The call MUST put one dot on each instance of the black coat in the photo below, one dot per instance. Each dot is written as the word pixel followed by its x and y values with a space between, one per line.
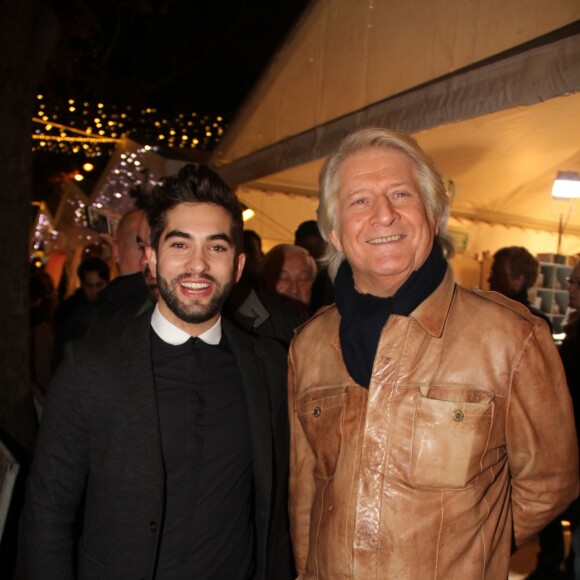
pixel 99 446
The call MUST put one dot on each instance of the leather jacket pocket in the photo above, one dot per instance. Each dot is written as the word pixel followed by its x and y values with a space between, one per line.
pixel 321 415
pixel 450 438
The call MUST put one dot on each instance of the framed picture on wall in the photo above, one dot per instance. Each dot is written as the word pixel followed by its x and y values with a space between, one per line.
pixel 459 239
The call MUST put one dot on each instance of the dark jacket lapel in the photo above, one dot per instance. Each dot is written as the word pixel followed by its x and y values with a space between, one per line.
pixel 256 390
pixel 139 382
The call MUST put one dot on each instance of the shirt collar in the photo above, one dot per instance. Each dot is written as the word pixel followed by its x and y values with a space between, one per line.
pixel 171 334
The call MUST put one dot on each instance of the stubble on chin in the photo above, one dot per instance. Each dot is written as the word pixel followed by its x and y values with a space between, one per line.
pixel 193 313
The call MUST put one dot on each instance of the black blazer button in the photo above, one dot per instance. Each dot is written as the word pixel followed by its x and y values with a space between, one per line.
pixel 153 526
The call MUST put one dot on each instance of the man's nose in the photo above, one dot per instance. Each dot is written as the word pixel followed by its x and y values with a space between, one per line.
pixel 294 287
pixel 384 211
pixel 197 262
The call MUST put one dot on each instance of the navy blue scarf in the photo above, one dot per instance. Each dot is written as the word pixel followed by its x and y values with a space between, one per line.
pixel 363 316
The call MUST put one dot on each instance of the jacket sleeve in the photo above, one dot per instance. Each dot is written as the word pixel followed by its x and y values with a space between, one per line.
pixel 302 487
pixel 541 438
pixel 57 480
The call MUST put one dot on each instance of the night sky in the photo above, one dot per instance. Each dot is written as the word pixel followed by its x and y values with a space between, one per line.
pixel 177 55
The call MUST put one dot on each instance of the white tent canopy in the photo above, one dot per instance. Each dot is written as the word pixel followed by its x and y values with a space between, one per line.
pixel 490 90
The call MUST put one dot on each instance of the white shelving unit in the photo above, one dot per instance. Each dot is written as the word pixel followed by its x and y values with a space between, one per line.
pixel 553 291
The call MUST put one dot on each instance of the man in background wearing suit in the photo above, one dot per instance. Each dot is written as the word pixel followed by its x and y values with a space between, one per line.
pixel 170 437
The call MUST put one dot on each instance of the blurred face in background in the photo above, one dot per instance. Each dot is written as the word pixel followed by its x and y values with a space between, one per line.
pixel 143 242
pixel 296 276
pixel 501 279
pixel 92 284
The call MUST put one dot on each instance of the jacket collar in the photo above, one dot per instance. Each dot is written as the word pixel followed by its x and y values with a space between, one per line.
pixel 171 334
pixel 432 312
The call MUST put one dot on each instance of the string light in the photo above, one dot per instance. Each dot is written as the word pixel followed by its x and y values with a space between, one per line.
pixel 44 232
pixel 73 127
pixel 129 177
pixel 76 139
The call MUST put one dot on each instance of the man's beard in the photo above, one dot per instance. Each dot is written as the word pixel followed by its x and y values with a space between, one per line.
pixel 193 313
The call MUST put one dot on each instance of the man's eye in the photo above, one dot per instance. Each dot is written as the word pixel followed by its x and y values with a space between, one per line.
pixel 400 194
pixel 218 248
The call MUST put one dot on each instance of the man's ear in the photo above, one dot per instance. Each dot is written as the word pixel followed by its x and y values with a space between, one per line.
pixel 115 251
pixel 335 240
pixel 151 258
pixel 239 267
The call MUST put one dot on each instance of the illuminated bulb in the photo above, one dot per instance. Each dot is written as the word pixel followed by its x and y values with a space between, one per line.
pixel 248 214
pixel 88 166
pixel 79 177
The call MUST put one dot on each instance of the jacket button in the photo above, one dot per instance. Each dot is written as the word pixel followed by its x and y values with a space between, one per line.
pixel 458 415
pixel 316 411
pixel 153 526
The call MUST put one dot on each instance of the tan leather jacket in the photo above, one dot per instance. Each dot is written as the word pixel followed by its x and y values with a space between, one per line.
pixel 464 441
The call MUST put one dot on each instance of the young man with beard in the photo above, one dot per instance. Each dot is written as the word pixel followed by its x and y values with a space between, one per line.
pixel 170 438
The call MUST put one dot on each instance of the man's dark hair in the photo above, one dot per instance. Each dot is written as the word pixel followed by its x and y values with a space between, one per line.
pixel 520 262
pixel 305 229
pixel 193 184
pixel 94 265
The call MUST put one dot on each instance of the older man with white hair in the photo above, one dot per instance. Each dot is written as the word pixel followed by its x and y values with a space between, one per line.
pixel 431 426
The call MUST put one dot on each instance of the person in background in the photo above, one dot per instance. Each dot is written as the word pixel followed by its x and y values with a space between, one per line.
pixel 513 272
pixel 123 298
pixel 125 248
pixel 431 426
pixel 143 241
pixel 254 309
pixel 93 274
pixel 308 236
pixel 289 271
pixel 570 353
pixel 42 302
pixel 167 441
pixel 128 294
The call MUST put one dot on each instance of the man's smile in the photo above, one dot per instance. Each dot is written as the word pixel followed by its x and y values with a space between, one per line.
pixel 386 239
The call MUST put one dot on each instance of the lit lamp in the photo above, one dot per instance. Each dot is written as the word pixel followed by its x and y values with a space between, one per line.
pixel 566 188
pixel 567 185
pixel 247 213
